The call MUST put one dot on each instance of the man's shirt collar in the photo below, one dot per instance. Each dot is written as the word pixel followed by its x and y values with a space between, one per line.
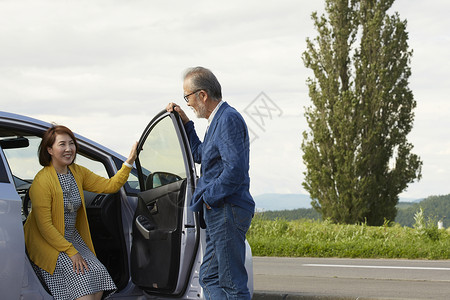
pixel 211 116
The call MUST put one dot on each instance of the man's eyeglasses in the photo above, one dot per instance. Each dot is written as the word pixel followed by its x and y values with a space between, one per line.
pixel 186 97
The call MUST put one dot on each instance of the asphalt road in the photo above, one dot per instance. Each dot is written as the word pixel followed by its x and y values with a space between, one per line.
pixel 330 278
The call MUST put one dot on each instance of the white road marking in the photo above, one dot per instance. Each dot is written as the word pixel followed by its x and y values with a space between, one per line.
pixel 376 267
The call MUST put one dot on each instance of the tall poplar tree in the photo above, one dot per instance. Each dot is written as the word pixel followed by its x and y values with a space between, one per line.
pixel 357 156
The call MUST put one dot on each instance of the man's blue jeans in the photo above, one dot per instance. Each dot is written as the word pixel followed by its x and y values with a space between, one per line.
pixel 222 273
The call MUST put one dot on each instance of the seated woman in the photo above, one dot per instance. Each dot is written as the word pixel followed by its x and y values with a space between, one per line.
pixel 57 233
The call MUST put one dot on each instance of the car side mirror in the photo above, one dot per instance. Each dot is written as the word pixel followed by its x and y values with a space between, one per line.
pixel 158 179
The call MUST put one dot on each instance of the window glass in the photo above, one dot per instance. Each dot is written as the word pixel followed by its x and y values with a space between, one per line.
pixel 133 181
pixel 24 162
pixel 161 158
pixel 24 165
pixel 93 165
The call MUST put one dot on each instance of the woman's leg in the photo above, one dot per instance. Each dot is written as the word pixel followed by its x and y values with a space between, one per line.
pixel 96 296
pixel 87 297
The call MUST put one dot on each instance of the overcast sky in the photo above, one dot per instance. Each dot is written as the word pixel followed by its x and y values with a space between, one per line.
pixel 105 68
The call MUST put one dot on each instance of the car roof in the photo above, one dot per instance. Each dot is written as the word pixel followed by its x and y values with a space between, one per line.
pixel 12 124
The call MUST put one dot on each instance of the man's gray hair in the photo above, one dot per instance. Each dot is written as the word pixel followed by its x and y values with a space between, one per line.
pixel 204 79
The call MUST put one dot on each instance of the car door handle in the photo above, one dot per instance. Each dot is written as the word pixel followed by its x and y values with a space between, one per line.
pixel 144 226
pixel 153 208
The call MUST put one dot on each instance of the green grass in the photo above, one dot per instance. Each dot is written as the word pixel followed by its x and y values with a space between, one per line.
pixel 309 238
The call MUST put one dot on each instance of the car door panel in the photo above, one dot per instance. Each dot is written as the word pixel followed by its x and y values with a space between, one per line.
pixel 164 234
pixel 156 237
pixel 12 256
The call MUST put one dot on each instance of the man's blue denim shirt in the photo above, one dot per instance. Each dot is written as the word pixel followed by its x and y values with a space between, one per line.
pixel 224 158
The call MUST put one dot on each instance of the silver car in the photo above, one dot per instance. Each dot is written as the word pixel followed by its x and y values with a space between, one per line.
pixel 145 235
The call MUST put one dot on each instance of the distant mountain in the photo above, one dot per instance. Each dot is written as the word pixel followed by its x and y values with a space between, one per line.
pixel 266 202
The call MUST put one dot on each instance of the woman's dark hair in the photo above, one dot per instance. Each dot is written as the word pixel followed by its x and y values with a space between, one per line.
pixel 49 139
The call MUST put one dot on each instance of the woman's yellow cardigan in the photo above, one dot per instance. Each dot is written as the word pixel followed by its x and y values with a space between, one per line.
pixel 44 228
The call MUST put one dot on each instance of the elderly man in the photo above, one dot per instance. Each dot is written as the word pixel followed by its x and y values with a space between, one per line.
pixel 222 195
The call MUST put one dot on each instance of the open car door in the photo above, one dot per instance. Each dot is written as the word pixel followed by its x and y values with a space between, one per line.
pixel 165 231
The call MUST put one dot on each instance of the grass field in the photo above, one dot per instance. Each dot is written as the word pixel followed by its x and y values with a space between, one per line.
pixel 309 238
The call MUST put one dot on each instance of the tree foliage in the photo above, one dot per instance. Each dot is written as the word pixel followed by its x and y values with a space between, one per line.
pixel 289 215
pixel 357 156
pixel 435 208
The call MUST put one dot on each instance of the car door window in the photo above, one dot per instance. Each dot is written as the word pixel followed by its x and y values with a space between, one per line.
pixel 161 158
pixel 24 164
pixel 93 165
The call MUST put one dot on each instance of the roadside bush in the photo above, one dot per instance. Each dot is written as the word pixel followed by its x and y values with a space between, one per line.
pixel 310 238
pixel 427 229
